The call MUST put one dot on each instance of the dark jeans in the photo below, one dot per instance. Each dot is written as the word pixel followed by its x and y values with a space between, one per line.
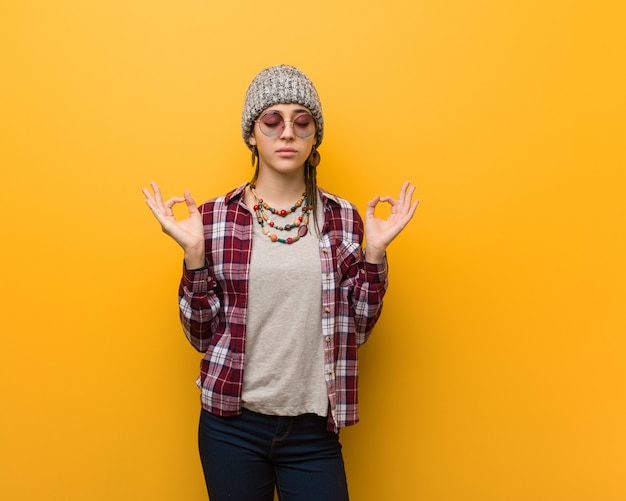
pixel 245 456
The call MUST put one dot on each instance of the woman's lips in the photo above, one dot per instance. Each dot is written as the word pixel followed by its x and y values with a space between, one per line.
pixel 286 152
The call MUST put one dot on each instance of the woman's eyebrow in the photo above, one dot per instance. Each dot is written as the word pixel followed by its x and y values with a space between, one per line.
pixel 293 112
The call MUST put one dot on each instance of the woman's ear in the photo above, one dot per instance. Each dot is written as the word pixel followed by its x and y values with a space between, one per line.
pixel 252 140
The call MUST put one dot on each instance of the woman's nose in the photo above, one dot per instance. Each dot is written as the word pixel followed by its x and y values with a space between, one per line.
pixel 287 130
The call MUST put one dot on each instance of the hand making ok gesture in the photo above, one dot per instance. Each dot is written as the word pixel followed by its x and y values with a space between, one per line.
pixel 188 233
pixel 379 233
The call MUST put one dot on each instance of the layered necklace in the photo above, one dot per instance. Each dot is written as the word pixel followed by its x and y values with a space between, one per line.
pixel 301 222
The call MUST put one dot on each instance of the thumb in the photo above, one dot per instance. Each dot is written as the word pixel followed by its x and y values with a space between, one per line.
pixel 190 202
pixel 371 205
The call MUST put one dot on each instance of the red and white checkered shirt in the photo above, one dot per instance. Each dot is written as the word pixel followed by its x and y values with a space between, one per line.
pixel 213 303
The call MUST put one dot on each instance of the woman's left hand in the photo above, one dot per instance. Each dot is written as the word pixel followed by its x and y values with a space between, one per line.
pixel 379 233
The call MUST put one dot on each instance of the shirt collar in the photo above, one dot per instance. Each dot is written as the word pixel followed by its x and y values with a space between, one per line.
pixel 327 197
pixel 236 194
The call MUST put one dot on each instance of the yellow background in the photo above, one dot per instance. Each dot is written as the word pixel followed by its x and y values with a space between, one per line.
pixel 497 370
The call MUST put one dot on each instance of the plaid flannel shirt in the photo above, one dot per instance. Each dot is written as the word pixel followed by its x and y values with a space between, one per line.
pixel 213 303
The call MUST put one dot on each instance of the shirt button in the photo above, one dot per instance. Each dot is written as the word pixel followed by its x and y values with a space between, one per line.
pixel 329 372
pixel 325 250
pixel 327 276
pixel 328 339
pixel 327 310
pixel 362 272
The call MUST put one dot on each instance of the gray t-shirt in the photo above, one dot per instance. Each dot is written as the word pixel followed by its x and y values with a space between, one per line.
pixel 284 371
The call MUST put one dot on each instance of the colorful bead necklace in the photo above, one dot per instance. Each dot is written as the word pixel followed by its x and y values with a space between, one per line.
pixel 301 222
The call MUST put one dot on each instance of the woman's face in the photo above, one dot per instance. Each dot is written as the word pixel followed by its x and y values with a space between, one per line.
pixel 284 135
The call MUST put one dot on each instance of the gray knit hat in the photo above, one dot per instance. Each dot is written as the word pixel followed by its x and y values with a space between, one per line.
pixel 280 84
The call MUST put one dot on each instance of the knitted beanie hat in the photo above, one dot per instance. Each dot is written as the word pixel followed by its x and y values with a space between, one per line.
pixel 280 84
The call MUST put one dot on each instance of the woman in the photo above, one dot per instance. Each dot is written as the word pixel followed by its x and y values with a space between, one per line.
pixel 278 293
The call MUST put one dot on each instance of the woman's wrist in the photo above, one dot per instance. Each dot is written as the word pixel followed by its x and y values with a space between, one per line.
pixel 195 258
pixel 374 256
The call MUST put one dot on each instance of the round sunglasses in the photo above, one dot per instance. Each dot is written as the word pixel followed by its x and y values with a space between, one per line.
pixel 272 124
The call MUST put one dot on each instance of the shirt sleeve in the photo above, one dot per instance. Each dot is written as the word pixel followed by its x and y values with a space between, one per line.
pixel 369 287
pixel 199 306
pixel 363 284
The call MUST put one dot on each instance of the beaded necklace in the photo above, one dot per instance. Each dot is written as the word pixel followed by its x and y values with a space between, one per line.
pixel 301 222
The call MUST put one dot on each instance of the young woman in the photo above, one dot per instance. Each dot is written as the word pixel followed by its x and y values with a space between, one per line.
pixel 278 293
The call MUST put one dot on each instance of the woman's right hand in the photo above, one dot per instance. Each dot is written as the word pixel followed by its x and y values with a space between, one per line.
pixel 188 233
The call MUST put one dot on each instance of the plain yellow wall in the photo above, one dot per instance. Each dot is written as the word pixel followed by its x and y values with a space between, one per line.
pixel 497 370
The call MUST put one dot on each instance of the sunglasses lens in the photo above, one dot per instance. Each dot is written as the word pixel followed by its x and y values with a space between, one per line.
pixel 304 126
pixel 271 124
